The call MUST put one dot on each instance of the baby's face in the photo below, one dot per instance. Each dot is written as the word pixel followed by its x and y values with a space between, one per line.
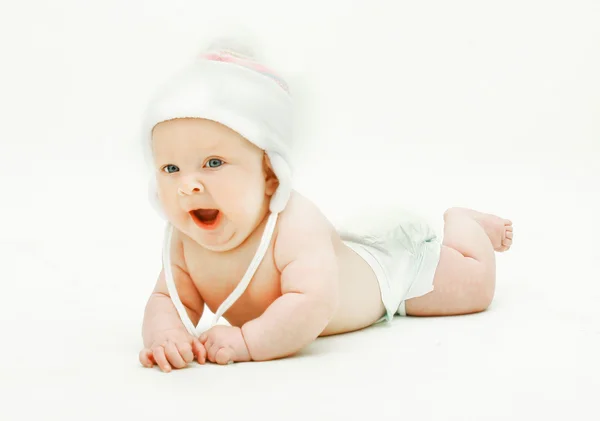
pixel 214 185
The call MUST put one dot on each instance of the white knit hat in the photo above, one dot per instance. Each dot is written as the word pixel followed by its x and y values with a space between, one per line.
pixel 227 84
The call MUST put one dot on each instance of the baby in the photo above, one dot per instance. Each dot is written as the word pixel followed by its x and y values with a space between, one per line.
pixel 218 137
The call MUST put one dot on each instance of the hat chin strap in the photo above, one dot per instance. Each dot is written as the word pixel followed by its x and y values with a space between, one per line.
pixel 236 293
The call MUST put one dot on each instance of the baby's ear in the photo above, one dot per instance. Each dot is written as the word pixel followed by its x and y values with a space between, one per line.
pixel 270 178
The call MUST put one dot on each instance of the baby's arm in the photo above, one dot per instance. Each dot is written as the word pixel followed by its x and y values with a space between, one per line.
pixel 304 253
pixel 162 324
pixel 160 314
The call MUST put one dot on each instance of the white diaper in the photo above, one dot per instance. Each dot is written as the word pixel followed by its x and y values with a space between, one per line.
pixel 403 251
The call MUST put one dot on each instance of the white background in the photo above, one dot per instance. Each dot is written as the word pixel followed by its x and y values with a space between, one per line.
pixel 429 104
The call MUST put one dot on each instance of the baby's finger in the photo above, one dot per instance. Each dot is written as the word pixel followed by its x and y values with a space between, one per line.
pixel 207 346
pixel 199 351
pixel 173 355
pixel 158 353
pixel 224 356
pixel 211 351
pixel 146 358
pixel 185 350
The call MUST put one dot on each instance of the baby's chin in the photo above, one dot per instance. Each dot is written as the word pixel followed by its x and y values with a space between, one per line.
pixel 224 239
pixel 221 243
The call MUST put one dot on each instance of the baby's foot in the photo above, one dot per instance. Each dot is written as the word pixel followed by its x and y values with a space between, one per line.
pixel 499 230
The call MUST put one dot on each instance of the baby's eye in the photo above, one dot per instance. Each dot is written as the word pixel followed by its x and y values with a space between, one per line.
pixel 214 163
pixel 170 168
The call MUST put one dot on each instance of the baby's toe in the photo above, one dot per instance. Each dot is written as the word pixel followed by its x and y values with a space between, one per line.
pixel 506 242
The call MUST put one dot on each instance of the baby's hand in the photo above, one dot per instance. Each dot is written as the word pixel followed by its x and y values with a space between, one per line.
pixel 172 348
pixel 225 344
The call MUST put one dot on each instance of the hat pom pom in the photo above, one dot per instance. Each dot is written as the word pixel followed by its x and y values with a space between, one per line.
pixel 239 41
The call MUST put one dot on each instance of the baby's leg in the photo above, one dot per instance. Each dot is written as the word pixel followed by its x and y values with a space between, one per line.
pixel 465 278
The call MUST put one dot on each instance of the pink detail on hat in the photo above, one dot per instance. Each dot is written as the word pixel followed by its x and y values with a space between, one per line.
pixel 229 57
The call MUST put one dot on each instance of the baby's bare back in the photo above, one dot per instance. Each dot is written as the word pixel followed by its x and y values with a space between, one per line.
pixel 216 274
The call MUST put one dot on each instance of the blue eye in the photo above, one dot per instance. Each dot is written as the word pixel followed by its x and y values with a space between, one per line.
pixel 214 163
pixel 170 168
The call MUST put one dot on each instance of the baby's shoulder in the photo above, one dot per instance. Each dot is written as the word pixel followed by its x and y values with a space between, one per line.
pixel 302 228
pixel 302 215
pixel 177 250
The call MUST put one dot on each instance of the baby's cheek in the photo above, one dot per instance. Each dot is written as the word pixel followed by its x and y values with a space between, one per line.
pixel 172 209
pixel 249 200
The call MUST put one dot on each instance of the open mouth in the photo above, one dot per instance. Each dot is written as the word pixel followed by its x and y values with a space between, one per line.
pixel 206 218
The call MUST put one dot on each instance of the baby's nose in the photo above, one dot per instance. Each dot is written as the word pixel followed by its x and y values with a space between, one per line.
pixel 191 186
